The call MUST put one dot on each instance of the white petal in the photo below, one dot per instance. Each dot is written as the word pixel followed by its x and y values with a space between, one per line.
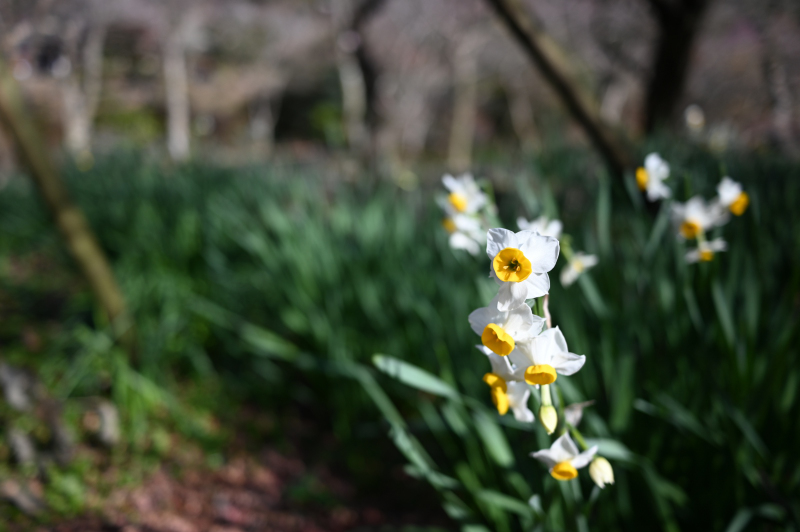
pixel 518 394
pixel 568 275
pixel 567 363
pixel 546 457
pixel 480 318
pixel 554 229
pixel 589 261
pixel 523 224
pixel 462 241
pixel 511 295
pixel 521 356
pixel 498 239
pixel 520 323
pixel 538 284
pixel 541 250
pixel 583 459
pixel 451 183
pixel 500 365
pixel 558 338
pixel 563 448
pixel 692 256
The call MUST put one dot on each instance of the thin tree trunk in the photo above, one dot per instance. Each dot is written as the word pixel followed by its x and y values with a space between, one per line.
pixel 678 27
pixel 513 14
pixel 354 100
pixel 176 86
pixel 780 93
pixel 465 105
pixel 81 93
pixel 69 219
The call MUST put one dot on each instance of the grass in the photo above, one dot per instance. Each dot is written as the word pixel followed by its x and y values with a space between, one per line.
pixel 279 284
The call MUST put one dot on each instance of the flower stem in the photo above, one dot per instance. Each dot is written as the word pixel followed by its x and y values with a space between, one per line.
pixel 545 393
pixel 578 437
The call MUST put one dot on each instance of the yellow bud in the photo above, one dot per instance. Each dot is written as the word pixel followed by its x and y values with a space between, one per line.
pixel 601 472
pixel 548 417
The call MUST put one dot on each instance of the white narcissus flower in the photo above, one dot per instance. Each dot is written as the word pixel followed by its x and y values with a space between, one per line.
pixel 500 330
pixel 465 195
pixel 542 225
pixel 732 197
pixel 508 388
pixel 579 263
pixel 563 458
pixel 574 413
pixel 465 233
pixel 546 356
pixel 520 262
pixel 696 216
pixel 651 176
pixel 705 250
pixel 601 472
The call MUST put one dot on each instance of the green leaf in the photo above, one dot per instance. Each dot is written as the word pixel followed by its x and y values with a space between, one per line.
pixel 592 295
pixel 611 449
pixel 493 438
pixel 723 312
pixel 505 502
pixel 413 376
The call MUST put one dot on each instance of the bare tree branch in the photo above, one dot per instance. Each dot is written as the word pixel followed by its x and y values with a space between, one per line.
pixel 522 28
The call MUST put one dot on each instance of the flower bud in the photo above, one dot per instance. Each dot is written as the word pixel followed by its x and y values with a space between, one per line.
pixel 601 472
pixel 548 417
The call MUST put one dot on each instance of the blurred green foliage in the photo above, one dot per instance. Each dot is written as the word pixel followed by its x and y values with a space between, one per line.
pixel 281 283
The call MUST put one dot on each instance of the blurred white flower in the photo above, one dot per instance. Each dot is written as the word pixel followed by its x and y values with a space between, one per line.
pixel 574 413
pixel 500 330
pixel 520 262
pixel 705 250
pixel 732 197
pixel 545 356
pixel 579 263
pixel 563 458
pixel 695 118
pixel 651 176
pixel 465 233
pixel 465 195
pixel 542 225
pixel 695 217
pixel 601 472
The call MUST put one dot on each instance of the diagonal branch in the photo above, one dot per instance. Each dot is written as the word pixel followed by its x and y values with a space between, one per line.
pixel 513 15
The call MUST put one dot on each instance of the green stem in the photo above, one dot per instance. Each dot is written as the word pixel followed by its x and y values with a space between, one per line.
pixel 578 437
pixel 538 306
pixel 545 393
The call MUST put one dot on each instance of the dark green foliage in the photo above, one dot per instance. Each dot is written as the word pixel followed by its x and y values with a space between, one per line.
pixel 693 367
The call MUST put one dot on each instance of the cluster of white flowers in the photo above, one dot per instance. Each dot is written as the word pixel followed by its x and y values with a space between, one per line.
pixel 523 350
pixel 469 213
pixel 696 217
pixel 468 210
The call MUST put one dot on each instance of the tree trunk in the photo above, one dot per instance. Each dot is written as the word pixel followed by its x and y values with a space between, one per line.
pixel 678 25
pixel 69 219
pixel 780 93
pixel 354 100
pixel 519 23
pixel 465 104
pixel 176 86
pixel 81 94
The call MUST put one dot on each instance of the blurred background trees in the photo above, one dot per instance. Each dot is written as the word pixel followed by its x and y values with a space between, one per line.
pixel 389 82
